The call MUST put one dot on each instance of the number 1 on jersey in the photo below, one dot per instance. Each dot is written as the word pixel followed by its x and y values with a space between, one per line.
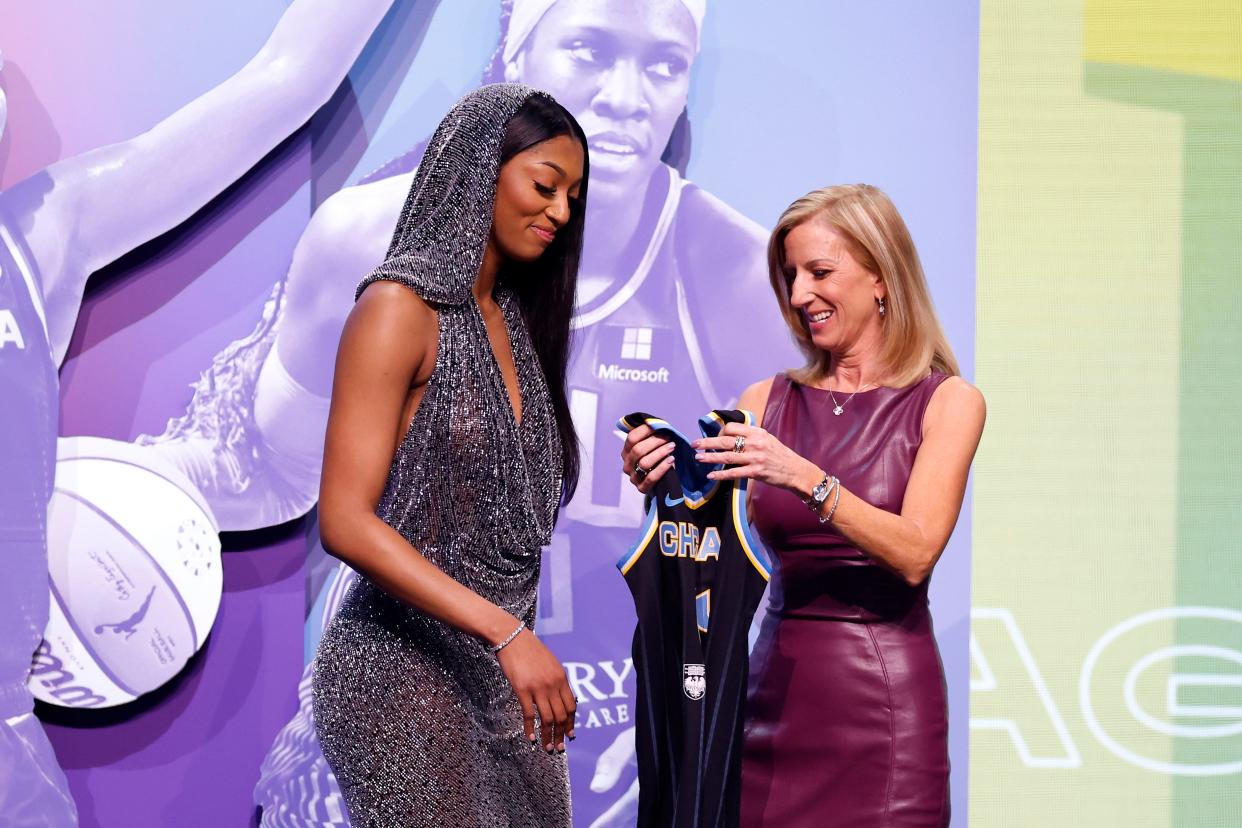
pixel 703 609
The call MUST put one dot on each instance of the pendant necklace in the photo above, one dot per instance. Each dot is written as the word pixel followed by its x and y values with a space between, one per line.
pixel 838 408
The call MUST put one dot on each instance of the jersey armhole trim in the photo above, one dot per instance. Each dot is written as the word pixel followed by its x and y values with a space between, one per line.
pixel 631 556
pixel 750 545
pixel 625 426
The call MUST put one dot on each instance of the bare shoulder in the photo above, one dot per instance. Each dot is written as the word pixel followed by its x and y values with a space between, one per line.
pixel 956 405
pixel 755 397
pixel 387 304
pixel 390 327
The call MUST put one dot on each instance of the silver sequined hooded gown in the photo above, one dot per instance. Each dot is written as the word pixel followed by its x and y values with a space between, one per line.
pixel 417 720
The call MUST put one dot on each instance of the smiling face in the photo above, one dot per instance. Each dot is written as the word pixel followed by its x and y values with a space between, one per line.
pixel 836 294
pixel 536 193
pixel 622 67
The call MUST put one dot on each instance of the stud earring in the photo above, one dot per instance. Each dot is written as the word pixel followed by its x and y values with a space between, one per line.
pixel 881 301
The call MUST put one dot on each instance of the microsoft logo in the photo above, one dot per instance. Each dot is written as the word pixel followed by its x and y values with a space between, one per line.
pixel 636 343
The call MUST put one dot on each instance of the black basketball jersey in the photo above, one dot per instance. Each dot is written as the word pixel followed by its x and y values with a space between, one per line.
pixel 696 575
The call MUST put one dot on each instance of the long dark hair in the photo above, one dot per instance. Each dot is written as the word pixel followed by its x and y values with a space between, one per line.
pixel 546 288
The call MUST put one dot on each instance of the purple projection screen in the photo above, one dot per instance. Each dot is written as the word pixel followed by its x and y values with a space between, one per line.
pixel 225 248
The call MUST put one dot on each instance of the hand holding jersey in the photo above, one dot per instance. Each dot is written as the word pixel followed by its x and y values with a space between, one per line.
pixel 694 602
pixel 645 457
pixel 750 452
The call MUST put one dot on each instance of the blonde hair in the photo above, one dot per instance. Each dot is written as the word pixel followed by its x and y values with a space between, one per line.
pixel 913 341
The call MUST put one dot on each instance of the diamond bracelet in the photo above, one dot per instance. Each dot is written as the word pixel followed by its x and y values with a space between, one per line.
pixel 496 648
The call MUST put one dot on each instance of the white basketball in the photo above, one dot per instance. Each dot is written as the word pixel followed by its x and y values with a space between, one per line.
pixel 134 571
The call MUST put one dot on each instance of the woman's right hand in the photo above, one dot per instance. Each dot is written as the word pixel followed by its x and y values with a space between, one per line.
pixel 542 689
pixel 643 450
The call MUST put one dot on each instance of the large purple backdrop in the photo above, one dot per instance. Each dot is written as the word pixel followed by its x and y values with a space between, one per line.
pixel 164 151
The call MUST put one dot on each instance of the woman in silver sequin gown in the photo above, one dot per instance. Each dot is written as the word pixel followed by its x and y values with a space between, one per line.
pixel 448 452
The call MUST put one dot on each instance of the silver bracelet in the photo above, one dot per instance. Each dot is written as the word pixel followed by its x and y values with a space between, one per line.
pixel 820 495
pixel 496 648
pixel 836 501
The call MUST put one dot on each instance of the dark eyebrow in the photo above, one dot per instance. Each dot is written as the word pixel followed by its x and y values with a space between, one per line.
pixel 557 167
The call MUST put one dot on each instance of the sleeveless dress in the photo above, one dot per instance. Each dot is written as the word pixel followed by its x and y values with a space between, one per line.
pixel 847 717
pixel 416 719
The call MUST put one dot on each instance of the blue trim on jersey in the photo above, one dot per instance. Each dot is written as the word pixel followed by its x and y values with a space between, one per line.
pixel 750 544
pixel 695 500
pixel 711 425
pixel 696 487
pixel 626 561
pixel 625 426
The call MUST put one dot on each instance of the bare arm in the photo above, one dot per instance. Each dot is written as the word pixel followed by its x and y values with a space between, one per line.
pixel 908 543
pixel 86 211
pixel 368 417
pixel 755 399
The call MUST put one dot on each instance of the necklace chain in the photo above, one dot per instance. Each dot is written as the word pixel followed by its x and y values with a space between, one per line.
pixel 838 408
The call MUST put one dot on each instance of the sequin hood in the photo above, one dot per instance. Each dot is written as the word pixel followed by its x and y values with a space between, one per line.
pixel 471 487
pixel 447 216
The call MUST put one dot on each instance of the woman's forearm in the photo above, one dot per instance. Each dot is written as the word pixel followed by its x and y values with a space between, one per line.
pixel 896 542
pixel 375 549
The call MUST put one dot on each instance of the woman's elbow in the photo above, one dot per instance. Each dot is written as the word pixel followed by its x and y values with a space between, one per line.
pixel 919 567
pixel 336 528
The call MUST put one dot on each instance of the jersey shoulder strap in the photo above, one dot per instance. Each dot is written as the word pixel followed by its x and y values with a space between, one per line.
pixel 712 424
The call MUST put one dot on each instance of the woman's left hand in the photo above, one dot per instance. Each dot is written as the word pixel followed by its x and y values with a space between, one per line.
pixel 763 457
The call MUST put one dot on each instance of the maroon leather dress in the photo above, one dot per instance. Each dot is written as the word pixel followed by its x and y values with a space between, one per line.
pixel 847 723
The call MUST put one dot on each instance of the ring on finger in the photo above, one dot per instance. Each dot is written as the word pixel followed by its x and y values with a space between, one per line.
pixel 640 472
pixel 739 445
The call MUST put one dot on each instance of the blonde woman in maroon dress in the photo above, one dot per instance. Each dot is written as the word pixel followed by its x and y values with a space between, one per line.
pixel 860 467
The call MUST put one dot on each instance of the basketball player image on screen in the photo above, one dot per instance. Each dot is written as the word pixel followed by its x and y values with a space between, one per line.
pixel 658 248
pixel 57 227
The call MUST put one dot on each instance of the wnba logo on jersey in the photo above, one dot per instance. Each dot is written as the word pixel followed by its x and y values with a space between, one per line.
pixel 694 681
